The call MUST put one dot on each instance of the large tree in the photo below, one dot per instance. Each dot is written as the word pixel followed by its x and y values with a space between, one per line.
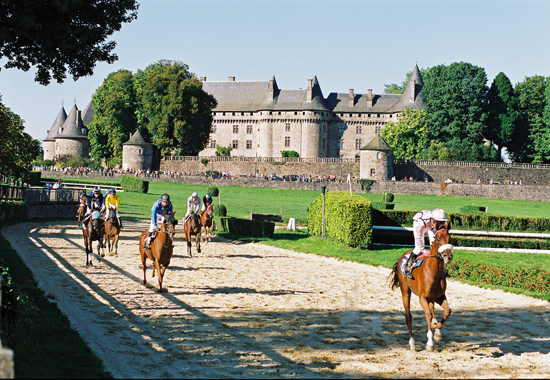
pixel 409 137
pixel 61 35
pixel 173 107
pixel 395 88
pixel 455 99
pixel 504 117
pixel 114 117
pixel 17 148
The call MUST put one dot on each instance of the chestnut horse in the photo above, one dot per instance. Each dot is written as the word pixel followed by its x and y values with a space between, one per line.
pixel 428 283
pixel 206 220
pixel 192 227
pixel 112 231
pixel 81 209
pixel 93 230
pixel 162 247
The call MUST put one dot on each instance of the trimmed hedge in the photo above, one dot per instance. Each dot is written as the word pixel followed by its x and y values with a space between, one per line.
pixel 14 210
pixel 35 177
pixel 383 206
pixel 500 242
pixel 388 197
pixel 213 191
pixel 134 184
pixel 348 218
pixel 465 221
pixel 255 228
pixel 219 210
pixel 468 209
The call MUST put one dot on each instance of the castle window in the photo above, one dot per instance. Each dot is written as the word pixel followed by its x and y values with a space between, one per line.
pixel 84 131
pixel 378 115
pixel 235 144
pixel 249 129
pixel 359 129
pixel 341 129
pixel 377 130
pixel 341 144
pixel 350 115
pixel 378 155
pixel 248 144
pixel 235 129
pixel 287 127
pixel 324 143
pixel 295 113
pixel 391 116
pixel 212 144
pixel 358 143
pixel 140 151
pixel 287 141
pixel 357 159
pixel 214 129
pixel 372 172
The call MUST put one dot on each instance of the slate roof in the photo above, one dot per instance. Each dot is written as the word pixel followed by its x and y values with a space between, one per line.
pixel 58 123
pixel 88 114
pixel 384 103
pixel 377 143
pixel 72 127
pixel 136 139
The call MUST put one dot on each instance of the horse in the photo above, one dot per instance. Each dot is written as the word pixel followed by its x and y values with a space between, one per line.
pixel 81 209
pixel 428 283
pixel 161 249
pixel 192 227
pixel 206 220
pixel 112 231
pixel 93 230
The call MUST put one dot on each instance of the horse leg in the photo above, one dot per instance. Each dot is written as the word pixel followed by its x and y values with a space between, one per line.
pixel 144 265
pixel 198 243
pixel 441 301
pixel 189 246
pixel 429 316
pixel 157 266
pixel 115 243
pixel 406 295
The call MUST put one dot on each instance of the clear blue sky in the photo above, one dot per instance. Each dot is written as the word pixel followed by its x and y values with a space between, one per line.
pixel 359 44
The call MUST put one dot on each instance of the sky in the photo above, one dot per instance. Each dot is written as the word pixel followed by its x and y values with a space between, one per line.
pixel 347 44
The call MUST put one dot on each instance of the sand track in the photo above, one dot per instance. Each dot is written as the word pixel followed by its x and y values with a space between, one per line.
pixel 248 310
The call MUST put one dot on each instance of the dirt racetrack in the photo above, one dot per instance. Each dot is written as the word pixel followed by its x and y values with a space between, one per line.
pixel 252 311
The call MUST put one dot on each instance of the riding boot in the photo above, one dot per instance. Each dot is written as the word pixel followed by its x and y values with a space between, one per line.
pixel 409 265
pixel 147 242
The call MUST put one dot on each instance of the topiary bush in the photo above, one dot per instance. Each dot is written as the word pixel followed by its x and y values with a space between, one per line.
pixel 219 210
pixel 466 209
pixel 388 197
pixel 213 191
pixel 134 184
pixel 246 227
pixel 348 218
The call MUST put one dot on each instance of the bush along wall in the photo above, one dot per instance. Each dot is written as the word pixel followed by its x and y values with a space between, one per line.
pixel 255 228
pixel 134 184
pixel 348 218
pixel 13 210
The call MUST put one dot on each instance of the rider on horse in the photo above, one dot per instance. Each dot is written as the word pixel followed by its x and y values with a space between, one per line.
pixel 112 201
pixel 94 202
pixel 157 212
pixel 193 206
pixel 425 221
pixel 206 201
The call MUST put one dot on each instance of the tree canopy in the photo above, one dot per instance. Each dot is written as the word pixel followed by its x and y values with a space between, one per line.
pixel 409 137
pixel 62 35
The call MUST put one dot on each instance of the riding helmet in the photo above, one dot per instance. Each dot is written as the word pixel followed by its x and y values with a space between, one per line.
pixel 165 198
pixel 97 188
pixel 113 191
pixel 207 196
pixel 439 215
pixel 195 195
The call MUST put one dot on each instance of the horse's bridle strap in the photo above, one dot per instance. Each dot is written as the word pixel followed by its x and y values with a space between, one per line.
pixel 445 247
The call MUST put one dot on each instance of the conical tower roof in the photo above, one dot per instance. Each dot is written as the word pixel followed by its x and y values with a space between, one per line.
pixel 58 123
pixel 137 139
pixel 73 126
pixel 412 96
pixel 377 143
pixel 88 114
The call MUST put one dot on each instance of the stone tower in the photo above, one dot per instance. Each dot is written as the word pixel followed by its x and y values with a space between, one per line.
pixel 137 153
pixel 376 160
pixel 49 141
pixel 72 139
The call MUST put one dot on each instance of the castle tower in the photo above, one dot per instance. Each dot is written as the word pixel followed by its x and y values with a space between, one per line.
pixel 49 141
pixel 137 153
pixel 376 160
pixel 72 139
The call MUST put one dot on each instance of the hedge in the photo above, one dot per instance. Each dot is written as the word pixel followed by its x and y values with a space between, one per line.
pixel 383 205
pixel 465 221
pixel 500 242
pixel 35 177
pixel 134 184
pixel 255 228
pixel 470 209
pixel 220 210
pixel 213 191
pixel 13 210
pixel 348 218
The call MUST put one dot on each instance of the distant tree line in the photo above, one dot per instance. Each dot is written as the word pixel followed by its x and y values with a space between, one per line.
pixel 467 120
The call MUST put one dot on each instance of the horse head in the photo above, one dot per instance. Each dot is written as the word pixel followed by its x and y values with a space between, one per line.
pixel 442 245
pixel 209 211
pixel 111 214
pixel 169 223
pixel 96 224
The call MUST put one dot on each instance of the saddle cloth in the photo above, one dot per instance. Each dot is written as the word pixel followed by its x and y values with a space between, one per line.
pixel 404 262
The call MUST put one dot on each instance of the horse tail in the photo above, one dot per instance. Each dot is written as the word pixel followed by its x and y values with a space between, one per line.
pixel 393 277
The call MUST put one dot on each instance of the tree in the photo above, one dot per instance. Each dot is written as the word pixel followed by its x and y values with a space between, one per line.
pixel 409 137
pixel 394 88
pixel 17 148
pixel 62 35
pixel 223 151
pixel 173 107
pixel 114 105
pixel 503 117
pixel 455 99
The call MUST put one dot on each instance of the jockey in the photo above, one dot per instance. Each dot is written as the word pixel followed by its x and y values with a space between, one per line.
pixel 206 201
pixel 95 200
pixel 157 212
pixel 425 221
pixel 112 201
pixel 193 205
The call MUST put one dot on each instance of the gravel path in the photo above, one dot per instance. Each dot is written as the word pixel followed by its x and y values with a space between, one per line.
pixel 247 310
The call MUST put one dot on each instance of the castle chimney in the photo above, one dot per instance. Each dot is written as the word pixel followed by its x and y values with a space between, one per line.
pixel 203 79
pixel 270 90
pixel 309 96
pixel 369 98
pixel 231 79
pixel 351 99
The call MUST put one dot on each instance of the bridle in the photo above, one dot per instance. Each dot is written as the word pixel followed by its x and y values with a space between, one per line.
pixel 445 248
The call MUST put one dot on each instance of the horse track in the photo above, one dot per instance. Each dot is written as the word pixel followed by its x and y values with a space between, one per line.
pixel 249 310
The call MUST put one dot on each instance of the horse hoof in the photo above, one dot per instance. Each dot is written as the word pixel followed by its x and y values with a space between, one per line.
pixel 437 335
pixel 429 348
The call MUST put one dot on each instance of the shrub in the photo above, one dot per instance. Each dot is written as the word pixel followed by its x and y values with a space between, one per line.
pixel 388 197
pixel 255 228
pixel 366 184
pixel 13 210
pixel 467 209
pixel 213 191
pixel 219 210
pixel 134 184
pixel 289 153
pixel 205 161
pixel 383 206
pixel 348 218
pixel 34 178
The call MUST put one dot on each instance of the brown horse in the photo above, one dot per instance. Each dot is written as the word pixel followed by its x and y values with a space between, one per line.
pixel 112 231
pixel 206 220
pixel 93 230
pixel 162 247
pixel 81 209
pixel 428 283
pixel 192 227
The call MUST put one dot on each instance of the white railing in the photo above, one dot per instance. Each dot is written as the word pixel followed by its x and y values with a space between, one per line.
pixel 473 164
pixel 261 159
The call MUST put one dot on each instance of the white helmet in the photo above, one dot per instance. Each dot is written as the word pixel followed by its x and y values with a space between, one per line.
pixel 439 215
pixel 195 195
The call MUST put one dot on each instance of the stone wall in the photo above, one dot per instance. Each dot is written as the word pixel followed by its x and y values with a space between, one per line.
pixel 53 209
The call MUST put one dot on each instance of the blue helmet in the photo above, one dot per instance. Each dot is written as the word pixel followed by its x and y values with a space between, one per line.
pixel 97 188
pixel 207 196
